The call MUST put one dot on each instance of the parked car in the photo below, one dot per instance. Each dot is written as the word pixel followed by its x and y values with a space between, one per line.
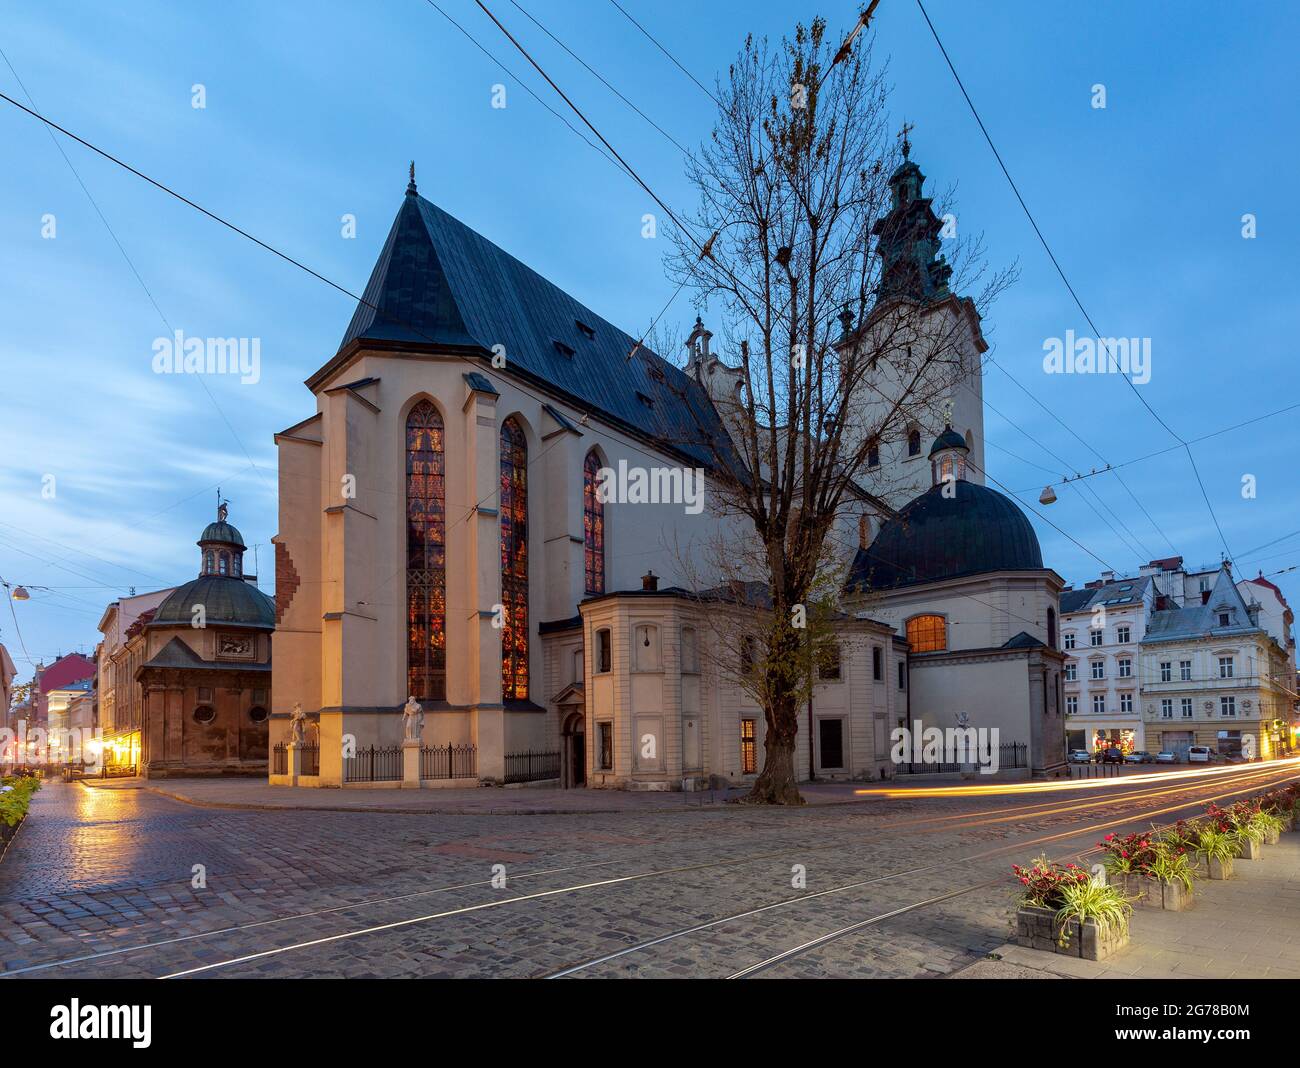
pixel 1112 756
pixel 1080 756
pixel 1200 754
pixel 1139 757
pixel 1166 757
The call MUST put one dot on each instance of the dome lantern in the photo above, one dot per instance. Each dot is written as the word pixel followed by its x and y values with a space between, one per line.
pixel 221 547
pixel 948 457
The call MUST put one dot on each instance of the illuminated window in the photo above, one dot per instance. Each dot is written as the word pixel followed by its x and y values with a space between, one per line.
pixel 426 555
pixel 593 526
pixel 927 634
pixel 514 561
pixel 748 748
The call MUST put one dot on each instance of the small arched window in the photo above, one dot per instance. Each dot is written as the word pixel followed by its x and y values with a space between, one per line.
pixel 223 563
pixel 593 526
pixel 927 634
pixel 864 531
pixel 873 456
pixel 210 566
pixel 913 443
pixel 1051 628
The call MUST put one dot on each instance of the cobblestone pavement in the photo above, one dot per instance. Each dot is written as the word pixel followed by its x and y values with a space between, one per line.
pixel 104 883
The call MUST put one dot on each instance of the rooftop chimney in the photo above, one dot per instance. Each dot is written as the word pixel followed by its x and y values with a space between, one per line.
pixel 649 582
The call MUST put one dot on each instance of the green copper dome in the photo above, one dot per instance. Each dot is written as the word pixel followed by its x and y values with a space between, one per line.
pixel 222 532
pixel 225 600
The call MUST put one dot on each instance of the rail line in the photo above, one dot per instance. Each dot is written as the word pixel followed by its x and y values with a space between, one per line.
pixel 945 821
pixel 1247 784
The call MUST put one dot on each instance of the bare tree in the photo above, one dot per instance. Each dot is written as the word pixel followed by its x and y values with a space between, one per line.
pixel 836 319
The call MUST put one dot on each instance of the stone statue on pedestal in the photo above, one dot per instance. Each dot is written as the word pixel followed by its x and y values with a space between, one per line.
pixel 412 721
pixel 297 724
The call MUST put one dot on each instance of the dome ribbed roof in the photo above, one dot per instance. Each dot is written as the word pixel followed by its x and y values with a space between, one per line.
pixel 224 599
pixel 222 532
pixel 937 537
pixel 949 439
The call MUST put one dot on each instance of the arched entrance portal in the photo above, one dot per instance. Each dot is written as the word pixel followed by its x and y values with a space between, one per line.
pixel 575 750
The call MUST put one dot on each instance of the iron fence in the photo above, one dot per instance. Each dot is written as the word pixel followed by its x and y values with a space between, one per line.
pixel 1010 755
pixel 378 763
pixel 448 762
pixel 279 759
pixel 532 767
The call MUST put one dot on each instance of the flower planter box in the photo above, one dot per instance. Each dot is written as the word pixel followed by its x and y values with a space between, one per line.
pixel 1137 888
pixel 1272 836
pixel 1250 850
pixel 1153 893
pixel 1036 929
pixel 1175 897
pixel 1288 820
pixel 1220 869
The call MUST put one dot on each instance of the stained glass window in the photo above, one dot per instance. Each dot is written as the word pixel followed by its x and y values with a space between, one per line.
pixel 426 555
pixel 514 561
pixel 593 526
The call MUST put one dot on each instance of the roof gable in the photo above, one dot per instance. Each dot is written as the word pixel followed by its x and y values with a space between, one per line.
pixel 439 283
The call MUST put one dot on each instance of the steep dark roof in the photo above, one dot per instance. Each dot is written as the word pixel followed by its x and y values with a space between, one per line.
pixel 1120 592
pixel 439 284
pixel 225 600
pixel 1075 600
pixel 935 537
pixel 1023 640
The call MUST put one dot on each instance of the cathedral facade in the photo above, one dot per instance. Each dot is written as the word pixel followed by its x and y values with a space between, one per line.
pixel 442 537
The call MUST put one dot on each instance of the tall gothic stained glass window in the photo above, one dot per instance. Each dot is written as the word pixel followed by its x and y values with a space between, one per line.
pixel 426 555
pixel 514 561
pixel 593 526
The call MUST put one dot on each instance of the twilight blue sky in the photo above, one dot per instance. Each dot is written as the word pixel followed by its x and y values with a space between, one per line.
pixel 314 109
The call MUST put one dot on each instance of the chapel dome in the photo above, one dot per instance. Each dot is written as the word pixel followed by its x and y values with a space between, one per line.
pixel 970 530
pixel 225 600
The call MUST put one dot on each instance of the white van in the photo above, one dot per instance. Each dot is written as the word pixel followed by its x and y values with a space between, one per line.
pixel 1199 754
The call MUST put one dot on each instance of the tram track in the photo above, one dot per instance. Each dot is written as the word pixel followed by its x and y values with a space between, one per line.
pixel 936 823
pixel 1248 783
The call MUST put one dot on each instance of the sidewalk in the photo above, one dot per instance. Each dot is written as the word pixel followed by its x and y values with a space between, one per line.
pixel 1245 928
pixel 477 801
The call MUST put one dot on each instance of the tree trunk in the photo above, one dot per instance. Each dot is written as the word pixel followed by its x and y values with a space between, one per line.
pixel 776 783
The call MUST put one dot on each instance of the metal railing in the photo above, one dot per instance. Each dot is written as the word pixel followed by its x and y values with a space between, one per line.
pixel 308 761
pixel 377 763
pixel 448 762
pixel 532 767
pixel 1010 755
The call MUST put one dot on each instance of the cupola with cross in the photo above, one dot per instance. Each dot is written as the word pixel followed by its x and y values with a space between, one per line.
pixel 948 457
pixel 221 547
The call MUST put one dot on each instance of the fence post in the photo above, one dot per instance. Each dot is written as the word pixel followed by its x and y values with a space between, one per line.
pixel 294 761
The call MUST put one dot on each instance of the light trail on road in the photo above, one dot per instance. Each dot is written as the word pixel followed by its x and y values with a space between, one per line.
pixel 942 822
pixel 1013 788
pixel 1248 784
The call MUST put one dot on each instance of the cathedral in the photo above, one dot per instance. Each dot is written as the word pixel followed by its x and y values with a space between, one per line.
pixel 442 538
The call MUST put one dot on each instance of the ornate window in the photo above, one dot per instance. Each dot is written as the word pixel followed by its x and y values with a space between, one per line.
pixel 593 526
pixel 514 561
pixel 426 555
pixel 927 634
